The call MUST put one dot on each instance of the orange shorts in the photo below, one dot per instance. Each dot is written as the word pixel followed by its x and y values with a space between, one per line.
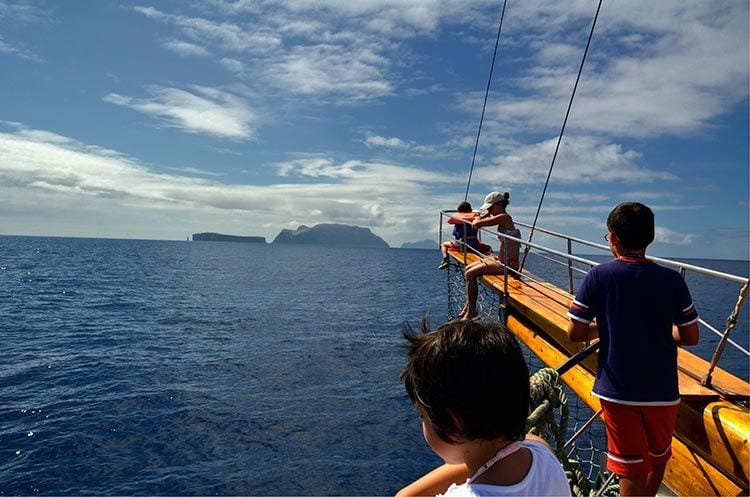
pixel 638 437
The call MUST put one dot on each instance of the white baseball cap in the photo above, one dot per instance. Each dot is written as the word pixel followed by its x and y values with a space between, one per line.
pixel 491 199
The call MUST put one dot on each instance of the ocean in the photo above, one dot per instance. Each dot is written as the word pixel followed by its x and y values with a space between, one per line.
pixel 134 367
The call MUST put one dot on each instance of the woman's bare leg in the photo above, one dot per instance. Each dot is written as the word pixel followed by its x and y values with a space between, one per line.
pixel 471 274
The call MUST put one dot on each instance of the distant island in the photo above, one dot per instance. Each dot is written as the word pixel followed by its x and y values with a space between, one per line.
pixel 218 237
pixel 422 244
pixel 340 235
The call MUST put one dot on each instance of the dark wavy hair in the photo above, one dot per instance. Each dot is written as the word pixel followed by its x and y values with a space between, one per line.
pixel 633 223
pixel 470 378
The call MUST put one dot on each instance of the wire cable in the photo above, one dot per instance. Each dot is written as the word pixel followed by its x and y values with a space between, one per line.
pixel 562 131
pixel 486 94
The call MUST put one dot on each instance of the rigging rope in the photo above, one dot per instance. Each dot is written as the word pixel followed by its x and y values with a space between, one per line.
pixel 484 106
pixel 562 130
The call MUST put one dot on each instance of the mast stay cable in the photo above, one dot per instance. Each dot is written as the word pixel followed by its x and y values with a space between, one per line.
pixel 484 106
pixel 562 130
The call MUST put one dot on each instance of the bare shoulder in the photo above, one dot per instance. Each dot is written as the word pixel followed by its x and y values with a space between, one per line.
pixel 502 218
pixel 535 438
pixel 504 221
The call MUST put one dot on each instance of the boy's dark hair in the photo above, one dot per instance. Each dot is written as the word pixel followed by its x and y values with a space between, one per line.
pixel 464 207
pixel 470 378
pixel 633 223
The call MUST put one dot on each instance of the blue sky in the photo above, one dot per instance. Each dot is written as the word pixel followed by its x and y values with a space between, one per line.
pixel 157 120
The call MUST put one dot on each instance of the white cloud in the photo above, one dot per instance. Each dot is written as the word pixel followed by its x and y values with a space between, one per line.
pixel 196 171
pixel 15 51
pixel 577 197
pixel 358 74
pixel 401 17
pixel 56 170
pixel 382 141
pixel 371 175
pixel 200 110
pixel 661 68
pixel 185 48
pixel 321 61
pixel 665 235
pixel 23 12
pixel 410 148
pixel 233 65
pixel 225 35
pixel 580 160
pixel 56 181
pixel 641 78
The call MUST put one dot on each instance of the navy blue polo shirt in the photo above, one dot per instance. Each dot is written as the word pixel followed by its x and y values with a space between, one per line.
pixel 635 302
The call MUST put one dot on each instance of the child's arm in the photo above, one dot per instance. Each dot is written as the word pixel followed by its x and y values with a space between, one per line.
pixel 685 335
pixel 582 332
pixel 436 481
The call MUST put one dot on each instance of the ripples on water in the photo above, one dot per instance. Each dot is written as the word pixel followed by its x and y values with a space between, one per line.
pixel 144 367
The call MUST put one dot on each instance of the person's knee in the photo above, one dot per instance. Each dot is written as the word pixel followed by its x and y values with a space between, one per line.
pixel 472 273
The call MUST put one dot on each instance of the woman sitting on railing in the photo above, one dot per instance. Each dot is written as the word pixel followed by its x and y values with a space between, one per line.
pixel 495 204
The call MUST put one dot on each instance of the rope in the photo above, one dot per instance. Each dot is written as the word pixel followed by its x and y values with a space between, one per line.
pixel 484 106
pixel 562 130
pixel 547 394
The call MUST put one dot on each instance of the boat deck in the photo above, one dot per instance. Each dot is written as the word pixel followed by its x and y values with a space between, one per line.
pixel 710 446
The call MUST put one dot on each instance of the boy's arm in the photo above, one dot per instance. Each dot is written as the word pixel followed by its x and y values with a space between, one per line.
pixel 582 332
pixel 686 335
pixel 436 481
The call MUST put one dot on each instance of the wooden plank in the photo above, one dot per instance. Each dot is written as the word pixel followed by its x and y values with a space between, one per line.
pixel 548 316
pixel 720 378
pixel 692 390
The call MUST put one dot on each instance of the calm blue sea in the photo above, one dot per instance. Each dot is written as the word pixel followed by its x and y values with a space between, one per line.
pixel 196 368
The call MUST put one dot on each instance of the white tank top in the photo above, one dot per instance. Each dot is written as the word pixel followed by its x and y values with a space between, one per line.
pixel 545 477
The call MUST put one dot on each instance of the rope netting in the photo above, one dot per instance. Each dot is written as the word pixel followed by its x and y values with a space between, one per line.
pixel 557 414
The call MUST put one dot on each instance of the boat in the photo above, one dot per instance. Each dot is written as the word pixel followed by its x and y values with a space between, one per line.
pixel 710 453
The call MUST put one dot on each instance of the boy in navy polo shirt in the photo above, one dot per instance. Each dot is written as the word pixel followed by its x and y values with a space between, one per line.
pixel 642 311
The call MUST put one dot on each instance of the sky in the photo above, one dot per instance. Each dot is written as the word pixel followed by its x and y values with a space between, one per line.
pixel 124 119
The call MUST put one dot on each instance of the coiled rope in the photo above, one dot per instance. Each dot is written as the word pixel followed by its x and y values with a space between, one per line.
pixel 548 394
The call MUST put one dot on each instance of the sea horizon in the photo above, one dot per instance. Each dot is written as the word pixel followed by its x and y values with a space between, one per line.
pixel 82 237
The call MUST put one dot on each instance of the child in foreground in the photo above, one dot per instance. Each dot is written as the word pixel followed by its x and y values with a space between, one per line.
pixel 463 231
pixel 643 311
pixel 470 385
